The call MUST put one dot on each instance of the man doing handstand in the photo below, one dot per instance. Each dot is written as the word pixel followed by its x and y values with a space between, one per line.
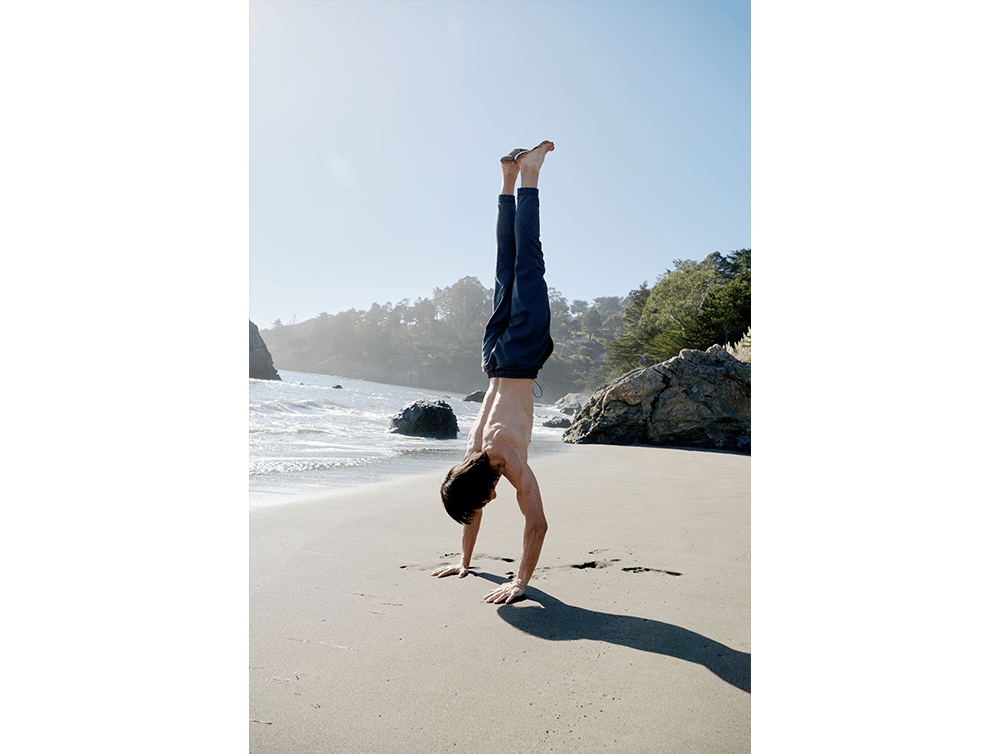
pixel 515 345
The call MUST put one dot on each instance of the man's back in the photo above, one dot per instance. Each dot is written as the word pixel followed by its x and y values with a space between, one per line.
pixel 504 424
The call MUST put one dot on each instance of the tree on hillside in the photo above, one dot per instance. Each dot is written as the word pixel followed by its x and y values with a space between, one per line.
pixel 627 350
pixel 561 325
pixel 679 291
pixel 733 263
pixel 695 305
pixel 723 319
pixel 464 306
pixel 582 332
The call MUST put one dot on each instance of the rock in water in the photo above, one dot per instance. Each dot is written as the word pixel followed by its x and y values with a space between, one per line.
pixel 477 397
pixel 433 419
pixel 697 399
pixel 261 366
pixel 572 403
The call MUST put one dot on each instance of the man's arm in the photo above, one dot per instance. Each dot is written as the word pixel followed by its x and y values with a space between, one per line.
pixel 529 499
pixel 469 533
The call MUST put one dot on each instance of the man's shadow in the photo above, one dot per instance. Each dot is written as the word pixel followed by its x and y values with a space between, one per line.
pixel 555 620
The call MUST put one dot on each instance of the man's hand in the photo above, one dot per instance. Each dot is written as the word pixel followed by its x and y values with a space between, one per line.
pixel 461 570
pixel 507 593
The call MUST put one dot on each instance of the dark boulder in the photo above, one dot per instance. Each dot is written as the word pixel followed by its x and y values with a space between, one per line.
pixel 476 397
pixel 434 419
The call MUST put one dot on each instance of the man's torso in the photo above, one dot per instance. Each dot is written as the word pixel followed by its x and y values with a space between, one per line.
pixel 505 420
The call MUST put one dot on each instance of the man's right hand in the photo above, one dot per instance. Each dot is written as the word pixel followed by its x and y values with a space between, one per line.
pixel 461 570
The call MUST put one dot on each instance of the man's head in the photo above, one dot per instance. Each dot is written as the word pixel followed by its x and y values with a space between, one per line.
pixel 468 487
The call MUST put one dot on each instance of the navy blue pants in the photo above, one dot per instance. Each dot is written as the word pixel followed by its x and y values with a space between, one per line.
pixel 517 341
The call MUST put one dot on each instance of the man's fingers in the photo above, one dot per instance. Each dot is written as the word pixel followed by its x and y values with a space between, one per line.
pixel 504 594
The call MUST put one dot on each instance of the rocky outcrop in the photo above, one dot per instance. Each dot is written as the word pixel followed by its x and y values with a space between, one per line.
pixel 433 419
pixel 572 403
pixel 697 399
pixel 261 366
pixel 477 397
pixel 557 422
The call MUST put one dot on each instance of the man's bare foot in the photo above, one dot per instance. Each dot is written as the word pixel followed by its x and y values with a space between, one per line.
pixel 512 155
pixel 534 157
pixel 530 163
pixel 510 169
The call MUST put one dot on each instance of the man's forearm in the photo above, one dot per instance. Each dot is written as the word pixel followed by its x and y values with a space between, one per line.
pixel 534 536
pixel 469 533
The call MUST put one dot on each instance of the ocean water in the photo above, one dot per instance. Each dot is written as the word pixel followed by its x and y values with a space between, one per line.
pixel 309 438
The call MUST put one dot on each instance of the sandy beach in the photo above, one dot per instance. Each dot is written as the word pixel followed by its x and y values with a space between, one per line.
pixel 634 635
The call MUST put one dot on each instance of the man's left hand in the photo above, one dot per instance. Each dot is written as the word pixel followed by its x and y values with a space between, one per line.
pixel 506 594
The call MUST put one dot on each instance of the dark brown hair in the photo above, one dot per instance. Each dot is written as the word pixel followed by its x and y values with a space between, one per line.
pixel 466 487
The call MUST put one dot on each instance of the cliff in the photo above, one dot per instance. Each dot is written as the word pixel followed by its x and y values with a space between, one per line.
pixel 261 365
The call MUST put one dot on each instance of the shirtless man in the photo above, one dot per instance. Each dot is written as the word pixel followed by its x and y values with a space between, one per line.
pixel 515 345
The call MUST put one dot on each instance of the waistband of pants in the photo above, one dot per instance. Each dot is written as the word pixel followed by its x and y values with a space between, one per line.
pixel 513 374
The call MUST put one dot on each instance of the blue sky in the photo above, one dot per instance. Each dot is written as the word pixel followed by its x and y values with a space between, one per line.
pixel 376 128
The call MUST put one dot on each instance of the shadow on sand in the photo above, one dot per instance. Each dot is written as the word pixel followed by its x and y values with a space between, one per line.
pixel 555 620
